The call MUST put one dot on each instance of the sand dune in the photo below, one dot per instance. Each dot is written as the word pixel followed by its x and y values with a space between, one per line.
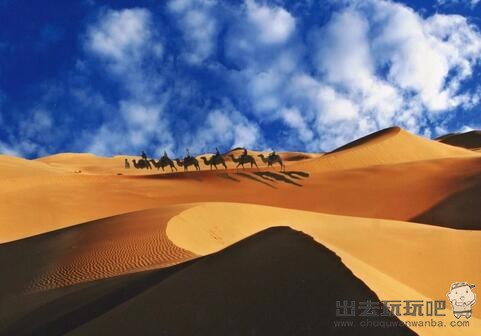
pixel 470 140
pixel 13 167
pixel 384 254
pixel 85 163
pixel 89 219
pixel 402 191
pixel 95 250
pixel 239 298
pixel 389 146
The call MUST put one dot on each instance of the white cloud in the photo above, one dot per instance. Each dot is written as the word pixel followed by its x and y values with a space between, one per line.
pixel 422 54
pixel 199 26
pixel 471 3
pixel 294 118
pixel 124 39
pixel 273 24
pixel 228 128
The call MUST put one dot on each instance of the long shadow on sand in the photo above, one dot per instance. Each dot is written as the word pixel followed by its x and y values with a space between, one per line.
pixel 252 177
pixel 228 177
pixel 271 176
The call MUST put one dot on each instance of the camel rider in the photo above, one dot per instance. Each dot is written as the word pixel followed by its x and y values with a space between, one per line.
pixel 244 154
pixel 165 155
pixel 144 156
pixel 273 154
pixel 217 153
pixel 188 154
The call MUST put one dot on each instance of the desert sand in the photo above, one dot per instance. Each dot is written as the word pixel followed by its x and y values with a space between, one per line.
pixel 401 212
pixel 470 140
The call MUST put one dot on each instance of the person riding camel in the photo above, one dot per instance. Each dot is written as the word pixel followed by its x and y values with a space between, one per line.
pixel 165 155
pixel 217 153
pixel 272 154
pixel 244 154
pixel 144 156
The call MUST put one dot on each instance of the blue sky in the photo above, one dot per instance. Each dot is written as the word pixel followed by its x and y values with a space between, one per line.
pixel 117 77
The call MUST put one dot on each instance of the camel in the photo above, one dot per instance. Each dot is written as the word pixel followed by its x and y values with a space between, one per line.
pixel 243 159
pixel 141 164
pixel 271 159
pixel 163 162
pixel 188 161
pixel 214 161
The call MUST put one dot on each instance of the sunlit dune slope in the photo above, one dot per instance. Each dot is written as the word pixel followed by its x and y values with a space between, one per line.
pixel 398 260
pixel 470 140
pixel 402 191
pixel 389 146
pixel 391 174
pixel 96 250
pixel 85 163
pixel 12 167
pixel 395 259
pixel 255 286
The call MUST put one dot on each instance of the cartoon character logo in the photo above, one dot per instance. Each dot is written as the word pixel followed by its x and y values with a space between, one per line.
pixel 462 299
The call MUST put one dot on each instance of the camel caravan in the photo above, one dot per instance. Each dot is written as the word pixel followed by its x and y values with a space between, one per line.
pixel 214 161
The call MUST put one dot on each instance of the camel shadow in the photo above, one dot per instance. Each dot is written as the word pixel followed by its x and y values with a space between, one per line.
pixel 256 179
pixel 276 177
pixel 189 175
pixel 298 175
pixel 228 177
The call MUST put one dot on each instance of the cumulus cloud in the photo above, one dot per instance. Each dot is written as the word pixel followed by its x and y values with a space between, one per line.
pixel 207 73
pixel 123 37
pixel 273 24
pixel 391 66
pixel 124 40
pixel 227 127
pixel 199 26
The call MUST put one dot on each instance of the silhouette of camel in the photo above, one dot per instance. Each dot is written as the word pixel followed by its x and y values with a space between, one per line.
pixel 188 161
pixel 214 161
pixel 141 164
pixel 163 162
pixel 243 159
pixel 271 159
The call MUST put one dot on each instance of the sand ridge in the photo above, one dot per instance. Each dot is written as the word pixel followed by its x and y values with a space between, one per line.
pixel 389 146
pixel 71 220
pixel 470 140
pixel 374 250
pixel 400 191
pixel 103 248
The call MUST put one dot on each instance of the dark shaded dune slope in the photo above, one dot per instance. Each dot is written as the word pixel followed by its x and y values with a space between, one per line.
pixel 458 211
pixel 277 282
pixel 469 140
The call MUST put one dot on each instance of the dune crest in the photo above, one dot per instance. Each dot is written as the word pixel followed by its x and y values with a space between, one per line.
pixel 14 167
pixel 389 250
pixel 389 146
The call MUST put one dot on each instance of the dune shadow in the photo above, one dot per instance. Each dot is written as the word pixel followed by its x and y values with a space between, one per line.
pixel 229 293
pixel 251 177
pixel 228 177
pixel 458 211
pixel 271 176
pixel 74 309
